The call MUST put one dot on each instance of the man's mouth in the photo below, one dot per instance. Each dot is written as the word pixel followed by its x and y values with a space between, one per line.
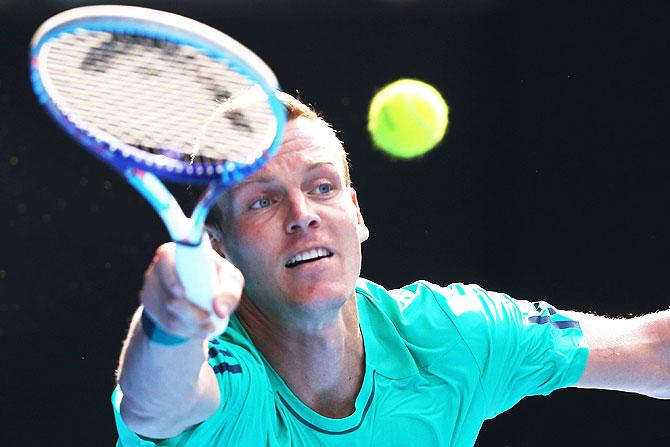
pixel 308 256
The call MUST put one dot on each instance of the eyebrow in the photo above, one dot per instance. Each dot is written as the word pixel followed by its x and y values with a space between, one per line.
pixel 317 165
pixel 269 179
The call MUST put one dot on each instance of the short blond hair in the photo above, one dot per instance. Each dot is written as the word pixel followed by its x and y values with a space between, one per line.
pixel 297 109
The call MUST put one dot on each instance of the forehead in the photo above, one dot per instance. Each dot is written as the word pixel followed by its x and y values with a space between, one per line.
pixel 306 142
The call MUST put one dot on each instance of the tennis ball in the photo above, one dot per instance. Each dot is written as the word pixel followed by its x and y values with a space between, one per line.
pixel 407 118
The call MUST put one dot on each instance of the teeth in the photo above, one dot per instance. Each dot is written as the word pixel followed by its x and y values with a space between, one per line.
pixel 307 255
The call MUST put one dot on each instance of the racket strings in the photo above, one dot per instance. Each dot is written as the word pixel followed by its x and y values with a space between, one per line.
pixel 167 100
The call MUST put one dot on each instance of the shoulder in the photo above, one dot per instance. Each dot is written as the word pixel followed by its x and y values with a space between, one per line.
pixel 465 303
pixel 233 351
pixel 238 365
pixel 465 311
pixel 429 318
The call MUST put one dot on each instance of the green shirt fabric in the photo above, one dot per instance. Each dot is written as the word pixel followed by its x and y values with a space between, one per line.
pixel 439 362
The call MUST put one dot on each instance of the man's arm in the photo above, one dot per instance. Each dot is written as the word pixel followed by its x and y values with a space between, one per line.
pixel 627 354
pixel 168 388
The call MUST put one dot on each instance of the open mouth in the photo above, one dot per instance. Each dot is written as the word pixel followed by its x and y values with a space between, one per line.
pixel 308 256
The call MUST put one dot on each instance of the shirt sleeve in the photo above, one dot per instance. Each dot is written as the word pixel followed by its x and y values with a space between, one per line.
pixel 242 405
pixel 522 348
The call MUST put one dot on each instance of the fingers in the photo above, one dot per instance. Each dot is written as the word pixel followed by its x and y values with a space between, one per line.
pixel 164 298
pixel 228 288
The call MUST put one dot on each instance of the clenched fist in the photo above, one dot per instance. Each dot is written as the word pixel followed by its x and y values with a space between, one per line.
pixel 166 303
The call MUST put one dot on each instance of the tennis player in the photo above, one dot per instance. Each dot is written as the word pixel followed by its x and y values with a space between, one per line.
pixel 315 355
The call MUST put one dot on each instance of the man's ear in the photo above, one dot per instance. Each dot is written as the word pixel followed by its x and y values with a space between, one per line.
pixel 216 238
pixel 361 228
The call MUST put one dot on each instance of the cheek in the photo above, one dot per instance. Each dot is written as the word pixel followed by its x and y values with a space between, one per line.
pixel 240 249
pixel 346 226
pixel 252 246
pixel 349 216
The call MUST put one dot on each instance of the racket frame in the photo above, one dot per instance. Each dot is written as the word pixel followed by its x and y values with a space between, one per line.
pixel 193 246
pixel 138 171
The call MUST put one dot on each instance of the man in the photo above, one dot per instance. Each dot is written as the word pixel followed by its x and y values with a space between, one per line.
pixel 315 355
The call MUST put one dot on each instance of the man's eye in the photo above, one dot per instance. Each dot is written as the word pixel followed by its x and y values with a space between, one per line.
pixel 261 203
pixel 324 188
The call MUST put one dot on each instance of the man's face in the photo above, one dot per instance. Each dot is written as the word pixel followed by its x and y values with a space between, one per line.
pixel 294 228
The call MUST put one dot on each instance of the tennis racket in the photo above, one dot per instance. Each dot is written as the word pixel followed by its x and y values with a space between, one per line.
pixel 159 96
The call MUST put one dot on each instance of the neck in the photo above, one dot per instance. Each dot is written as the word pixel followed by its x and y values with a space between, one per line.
pixel 322 363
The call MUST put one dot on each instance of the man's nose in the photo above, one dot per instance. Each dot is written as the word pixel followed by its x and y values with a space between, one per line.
pixel 301 214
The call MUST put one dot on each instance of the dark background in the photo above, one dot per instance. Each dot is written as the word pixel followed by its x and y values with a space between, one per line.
pixel 551 184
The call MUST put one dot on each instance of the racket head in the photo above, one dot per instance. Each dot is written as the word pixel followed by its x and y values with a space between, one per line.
pixel 156 91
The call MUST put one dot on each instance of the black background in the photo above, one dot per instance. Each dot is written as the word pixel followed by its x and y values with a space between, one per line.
pixel 551 184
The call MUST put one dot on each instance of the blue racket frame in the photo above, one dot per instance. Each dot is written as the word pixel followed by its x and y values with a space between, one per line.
pixel 145 173
pixel 140 171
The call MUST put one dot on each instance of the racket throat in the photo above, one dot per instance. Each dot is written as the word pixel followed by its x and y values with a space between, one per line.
pixel 182 229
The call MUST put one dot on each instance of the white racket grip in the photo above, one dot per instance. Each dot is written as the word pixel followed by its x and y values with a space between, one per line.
pixel 197 273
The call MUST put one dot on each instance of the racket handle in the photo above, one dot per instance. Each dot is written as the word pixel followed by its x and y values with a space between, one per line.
pixel 196 271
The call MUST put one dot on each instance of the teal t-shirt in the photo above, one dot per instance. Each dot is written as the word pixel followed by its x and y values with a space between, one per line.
pixel 439 362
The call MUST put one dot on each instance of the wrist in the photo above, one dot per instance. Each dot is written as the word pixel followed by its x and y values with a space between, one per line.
pixel 157 334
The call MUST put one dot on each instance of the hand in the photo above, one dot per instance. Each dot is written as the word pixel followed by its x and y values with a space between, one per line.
pixel 165 301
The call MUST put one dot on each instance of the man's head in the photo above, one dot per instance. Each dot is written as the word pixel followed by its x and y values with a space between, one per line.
pixel 294 228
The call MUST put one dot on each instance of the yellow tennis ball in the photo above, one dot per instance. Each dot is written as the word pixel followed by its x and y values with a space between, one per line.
pixel 407 118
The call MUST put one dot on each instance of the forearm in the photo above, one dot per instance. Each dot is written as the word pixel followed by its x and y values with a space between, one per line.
pixel 628 354
pixel 167 388
pixel 658 325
